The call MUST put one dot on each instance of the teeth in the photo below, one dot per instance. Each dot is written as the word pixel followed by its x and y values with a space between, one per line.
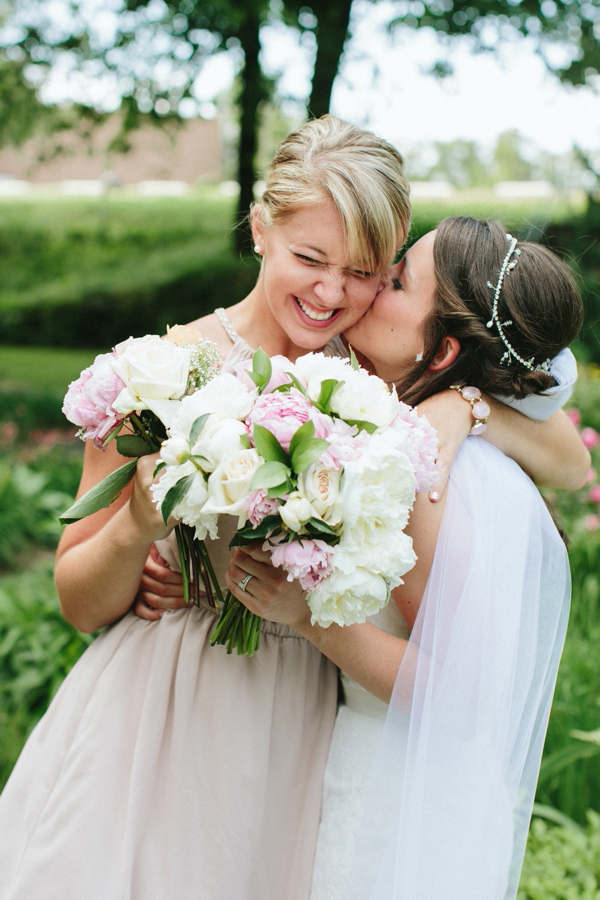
pixel 318 317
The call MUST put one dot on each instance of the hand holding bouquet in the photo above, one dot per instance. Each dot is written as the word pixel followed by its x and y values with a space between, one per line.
pixel 130 395
pixel 319 460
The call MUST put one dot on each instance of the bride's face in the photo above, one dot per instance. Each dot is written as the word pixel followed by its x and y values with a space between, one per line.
pixel 390 332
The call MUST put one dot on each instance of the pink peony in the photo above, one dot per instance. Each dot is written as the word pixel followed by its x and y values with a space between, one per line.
pixel 89 400
pixel 307 561
pixel 595 493
pixel 575 416
pixel 258 506
pixel 281 414
pixel 590 438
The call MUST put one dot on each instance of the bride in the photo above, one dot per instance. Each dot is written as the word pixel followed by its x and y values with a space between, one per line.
pixel 434 758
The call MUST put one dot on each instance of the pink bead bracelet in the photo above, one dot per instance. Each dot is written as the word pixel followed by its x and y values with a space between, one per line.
pixel 479 407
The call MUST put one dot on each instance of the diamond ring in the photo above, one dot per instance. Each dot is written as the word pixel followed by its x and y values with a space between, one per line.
pixel 244 582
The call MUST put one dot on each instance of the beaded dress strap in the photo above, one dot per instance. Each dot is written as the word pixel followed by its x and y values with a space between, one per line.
pixel 230 330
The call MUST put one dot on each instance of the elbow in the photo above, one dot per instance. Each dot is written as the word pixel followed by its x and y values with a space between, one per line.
pixel 580 473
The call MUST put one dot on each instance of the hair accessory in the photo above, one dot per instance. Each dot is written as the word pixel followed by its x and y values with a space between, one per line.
pixel 479 407
pixel 505 269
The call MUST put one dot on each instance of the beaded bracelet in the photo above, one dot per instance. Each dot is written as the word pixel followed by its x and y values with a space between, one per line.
pixel 479 407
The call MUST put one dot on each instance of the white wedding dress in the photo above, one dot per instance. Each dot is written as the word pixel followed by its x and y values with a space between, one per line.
pixel 430 798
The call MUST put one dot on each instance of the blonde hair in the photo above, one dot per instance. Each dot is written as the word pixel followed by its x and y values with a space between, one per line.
pixel 361 173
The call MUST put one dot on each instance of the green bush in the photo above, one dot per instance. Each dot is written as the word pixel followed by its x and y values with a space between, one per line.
pixel 562 862
pixel 37 650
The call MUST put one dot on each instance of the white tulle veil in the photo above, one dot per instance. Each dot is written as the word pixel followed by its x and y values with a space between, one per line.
pixel 449 803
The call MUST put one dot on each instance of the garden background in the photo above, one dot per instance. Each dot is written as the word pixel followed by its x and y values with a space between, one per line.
pixel 78 275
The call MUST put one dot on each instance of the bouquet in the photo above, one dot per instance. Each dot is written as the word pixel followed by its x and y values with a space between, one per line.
pixel 317 459
pixel 130 395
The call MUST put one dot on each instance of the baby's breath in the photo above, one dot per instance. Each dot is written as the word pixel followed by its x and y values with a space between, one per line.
pixel 205 363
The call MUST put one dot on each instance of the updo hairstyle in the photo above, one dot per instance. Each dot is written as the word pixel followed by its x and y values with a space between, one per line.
pixel 539 295
pixel 361 173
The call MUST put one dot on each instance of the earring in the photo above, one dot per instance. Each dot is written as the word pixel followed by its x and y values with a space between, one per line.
pixel 419 357
pixel 257 249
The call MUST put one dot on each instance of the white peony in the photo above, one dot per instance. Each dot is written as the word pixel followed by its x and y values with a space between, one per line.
pixel 377 489
pixel 365 397
pixel 383 551
pixel 347 598
pixel 228 485
pixel 153 371
pixel 189 508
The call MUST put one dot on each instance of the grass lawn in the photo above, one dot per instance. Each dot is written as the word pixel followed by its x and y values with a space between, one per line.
pixel 42 368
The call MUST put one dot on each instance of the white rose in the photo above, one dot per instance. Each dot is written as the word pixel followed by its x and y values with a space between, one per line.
pixel 321 485
pixel 175 451
pixel 152 370
pixel 228 484
pixel 346 598
pixel 296 511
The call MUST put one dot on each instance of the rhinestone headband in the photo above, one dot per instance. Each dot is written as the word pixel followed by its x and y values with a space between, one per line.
pixel 507 266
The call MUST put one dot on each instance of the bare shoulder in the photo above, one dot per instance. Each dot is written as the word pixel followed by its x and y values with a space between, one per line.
pixel 211 329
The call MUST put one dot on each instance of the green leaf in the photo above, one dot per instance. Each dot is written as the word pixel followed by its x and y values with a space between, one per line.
pixel 297 384
pixel 161 464
pixel 303 433
pixel 261 369
pixel 245 441
pixel 268 446
pixel 134 445
pixel 353 360
pixel 101 495
pixel 248 534
pixel 318 525
pixel 306 453
pixel 197 427
pixel 175 495
pixel 271 474
pixel 328 389
pixel 362 425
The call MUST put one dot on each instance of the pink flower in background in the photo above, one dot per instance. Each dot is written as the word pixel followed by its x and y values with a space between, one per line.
pixel 590 438
pixel 258 506
pixel 575 416
pixel 281 414
pixel 308 561
pixel 89 400
pixel 592 522
pixel 8 433
pixel 595 493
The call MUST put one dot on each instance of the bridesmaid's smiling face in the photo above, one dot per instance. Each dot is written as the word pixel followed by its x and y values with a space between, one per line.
pixel 310 286
pixel 390 332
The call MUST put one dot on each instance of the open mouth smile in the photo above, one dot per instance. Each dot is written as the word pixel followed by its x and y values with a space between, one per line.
pixel 315 316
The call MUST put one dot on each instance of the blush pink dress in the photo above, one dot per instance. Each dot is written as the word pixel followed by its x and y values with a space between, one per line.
pixel 166 769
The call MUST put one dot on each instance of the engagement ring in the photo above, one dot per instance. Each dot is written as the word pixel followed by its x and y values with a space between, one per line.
pixel 243 583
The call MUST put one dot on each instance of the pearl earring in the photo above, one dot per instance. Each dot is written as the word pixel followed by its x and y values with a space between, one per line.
pixel 419 357
pixel 257 249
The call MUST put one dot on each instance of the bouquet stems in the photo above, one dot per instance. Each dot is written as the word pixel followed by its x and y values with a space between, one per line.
pixel 238 628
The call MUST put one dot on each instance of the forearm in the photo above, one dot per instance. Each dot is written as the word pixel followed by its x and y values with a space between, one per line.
pixel 551 451
pixel 366 654
pixel 97 579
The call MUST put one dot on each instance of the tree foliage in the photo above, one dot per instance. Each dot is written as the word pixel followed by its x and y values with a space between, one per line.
pixel 150 52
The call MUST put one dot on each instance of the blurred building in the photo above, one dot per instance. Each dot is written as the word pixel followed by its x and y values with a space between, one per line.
pixel 185 154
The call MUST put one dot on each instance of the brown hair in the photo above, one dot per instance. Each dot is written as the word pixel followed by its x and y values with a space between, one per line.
pixel 539 296
pixel 361 173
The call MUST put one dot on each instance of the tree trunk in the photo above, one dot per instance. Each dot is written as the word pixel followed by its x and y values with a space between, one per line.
pixel 252 93
pixel 334 19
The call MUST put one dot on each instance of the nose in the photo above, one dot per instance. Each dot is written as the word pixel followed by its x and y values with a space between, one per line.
pixel 329 288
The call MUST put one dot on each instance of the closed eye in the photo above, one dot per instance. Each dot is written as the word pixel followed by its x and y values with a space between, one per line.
pixel 397 284
pixel 309 260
